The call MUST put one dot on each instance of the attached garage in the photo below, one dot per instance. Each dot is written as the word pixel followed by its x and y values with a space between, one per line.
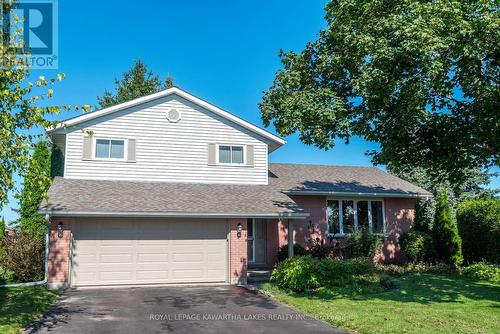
pixel 148 251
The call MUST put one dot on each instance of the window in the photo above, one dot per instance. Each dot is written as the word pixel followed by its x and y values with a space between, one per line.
pixel 332 210
pixel 377 217
pixel 363 219
pixel 230 154
pixel 347 216
pixel 109 149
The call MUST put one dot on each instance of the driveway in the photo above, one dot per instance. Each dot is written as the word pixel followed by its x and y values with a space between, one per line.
pixel 206 309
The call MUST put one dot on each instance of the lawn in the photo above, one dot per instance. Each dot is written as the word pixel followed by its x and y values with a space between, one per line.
pixel 21 305
pixel 421 303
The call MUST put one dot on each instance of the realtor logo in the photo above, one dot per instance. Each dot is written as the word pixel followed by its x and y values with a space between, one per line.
pixel 33 30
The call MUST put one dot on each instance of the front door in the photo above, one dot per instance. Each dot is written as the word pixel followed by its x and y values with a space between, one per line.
pixel 256 241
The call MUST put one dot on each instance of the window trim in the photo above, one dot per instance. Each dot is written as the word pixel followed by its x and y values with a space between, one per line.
pixel 355 204
pixel 244 147
pixel 94 148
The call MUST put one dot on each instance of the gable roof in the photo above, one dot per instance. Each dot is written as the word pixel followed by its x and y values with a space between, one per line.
pixel 170 91
pixel 306 179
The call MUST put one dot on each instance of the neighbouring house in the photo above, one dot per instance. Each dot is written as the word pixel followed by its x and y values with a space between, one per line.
pixel 168 188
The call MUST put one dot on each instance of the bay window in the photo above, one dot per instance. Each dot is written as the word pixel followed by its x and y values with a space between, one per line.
pixel 346 216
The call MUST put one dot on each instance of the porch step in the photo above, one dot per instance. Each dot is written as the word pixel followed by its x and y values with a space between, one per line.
pixel 258 275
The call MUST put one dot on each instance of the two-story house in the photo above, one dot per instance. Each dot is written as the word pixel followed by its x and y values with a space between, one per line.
pixel 168 188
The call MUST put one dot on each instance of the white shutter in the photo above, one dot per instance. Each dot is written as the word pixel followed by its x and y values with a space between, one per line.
pixel 211 154
pixel 131 148
pixel 250 154
pixel 87 148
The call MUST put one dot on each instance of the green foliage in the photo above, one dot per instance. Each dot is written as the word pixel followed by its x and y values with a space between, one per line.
pixel 447 242
pixel 479 227
pixel 298 250
pixel 6 276
pixel 417 245
pixel 350 276
pixel 56 162
pixel 24 105
pixel 298 273
pixel 388 71
pixel 364 244
pixel 25 256
pixel 483 271
pixel 418 268
pixel 35 187
pixel 136 82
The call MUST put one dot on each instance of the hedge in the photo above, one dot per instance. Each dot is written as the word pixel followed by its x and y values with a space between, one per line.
pixel 479 226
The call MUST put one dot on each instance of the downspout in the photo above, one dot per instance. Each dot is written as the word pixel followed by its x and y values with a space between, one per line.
pixel 44 281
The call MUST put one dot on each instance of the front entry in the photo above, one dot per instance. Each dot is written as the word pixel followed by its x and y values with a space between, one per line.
pixel 256 241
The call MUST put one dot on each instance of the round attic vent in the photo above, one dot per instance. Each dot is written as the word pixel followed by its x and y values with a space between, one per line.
pixel 173 115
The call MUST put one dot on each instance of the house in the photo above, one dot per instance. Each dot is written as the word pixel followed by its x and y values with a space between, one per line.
pixel 168 188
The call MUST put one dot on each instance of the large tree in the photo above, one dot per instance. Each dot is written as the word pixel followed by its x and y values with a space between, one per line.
pixel 419 77
pixel 136 82
pixel 23 104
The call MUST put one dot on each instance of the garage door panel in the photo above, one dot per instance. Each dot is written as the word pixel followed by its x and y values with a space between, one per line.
pixel 110 251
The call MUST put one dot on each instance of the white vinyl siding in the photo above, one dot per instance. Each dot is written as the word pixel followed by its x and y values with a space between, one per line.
pixel 166 151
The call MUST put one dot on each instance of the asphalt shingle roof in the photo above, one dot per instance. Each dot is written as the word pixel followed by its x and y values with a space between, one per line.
pixel 101 196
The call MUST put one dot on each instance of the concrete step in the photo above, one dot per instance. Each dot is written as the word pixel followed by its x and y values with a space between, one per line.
pixel 258 275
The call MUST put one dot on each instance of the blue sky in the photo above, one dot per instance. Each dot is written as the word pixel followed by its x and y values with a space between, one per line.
pixel 225 52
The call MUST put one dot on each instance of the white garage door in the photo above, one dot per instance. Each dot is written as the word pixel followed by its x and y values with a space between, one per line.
pixel 112 251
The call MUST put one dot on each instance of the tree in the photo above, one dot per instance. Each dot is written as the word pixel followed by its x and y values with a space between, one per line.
pixel 447 242
pixel 136 82
pixel 418 77
pixel 20 104
pixel 36 184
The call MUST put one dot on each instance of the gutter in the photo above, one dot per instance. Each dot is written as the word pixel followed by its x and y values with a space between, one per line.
pixel 354 194
pixel 287 215
pixel 46 274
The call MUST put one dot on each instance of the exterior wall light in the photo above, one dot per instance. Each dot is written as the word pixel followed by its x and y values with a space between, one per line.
pixel 239 229
pixel 60 230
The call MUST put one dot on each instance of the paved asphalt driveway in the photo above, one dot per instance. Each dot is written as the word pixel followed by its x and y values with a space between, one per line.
pixel 200 309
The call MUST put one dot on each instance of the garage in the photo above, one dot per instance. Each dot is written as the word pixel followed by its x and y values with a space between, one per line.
pixel 148 251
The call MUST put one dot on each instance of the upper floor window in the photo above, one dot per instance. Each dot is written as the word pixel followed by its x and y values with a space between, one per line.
pixel 109 149
pixel 230 154
pixel 346 216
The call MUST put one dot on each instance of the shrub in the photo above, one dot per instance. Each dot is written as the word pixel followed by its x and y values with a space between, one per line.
pixel 298 273
pixel 24 256
pixel 479 227
pixel 298 250
pixel 351 276
pixel 418 268
pixel 364 244
pixel 6 275
pixel 483 271
pixel 447 242
pixel 416 245
pixel 319 250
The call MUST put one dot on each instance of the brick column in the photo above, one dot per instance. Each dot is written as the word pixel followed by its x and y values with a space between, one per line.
pixel 59 253
pixel 238 252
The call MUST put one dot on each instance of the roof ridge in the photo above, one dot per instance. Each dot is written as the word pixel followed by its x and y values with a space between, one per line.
pixel 321 165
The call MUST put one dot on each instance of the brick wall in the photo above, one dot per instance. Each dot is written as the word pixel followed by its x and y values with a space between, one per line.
pixel 59 253
pixel 399 215
pixel 238 252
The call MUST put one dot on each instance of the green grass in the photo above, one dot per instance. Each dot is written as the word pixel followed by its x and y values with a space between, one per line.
pixel 20 306
pixel 421 303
